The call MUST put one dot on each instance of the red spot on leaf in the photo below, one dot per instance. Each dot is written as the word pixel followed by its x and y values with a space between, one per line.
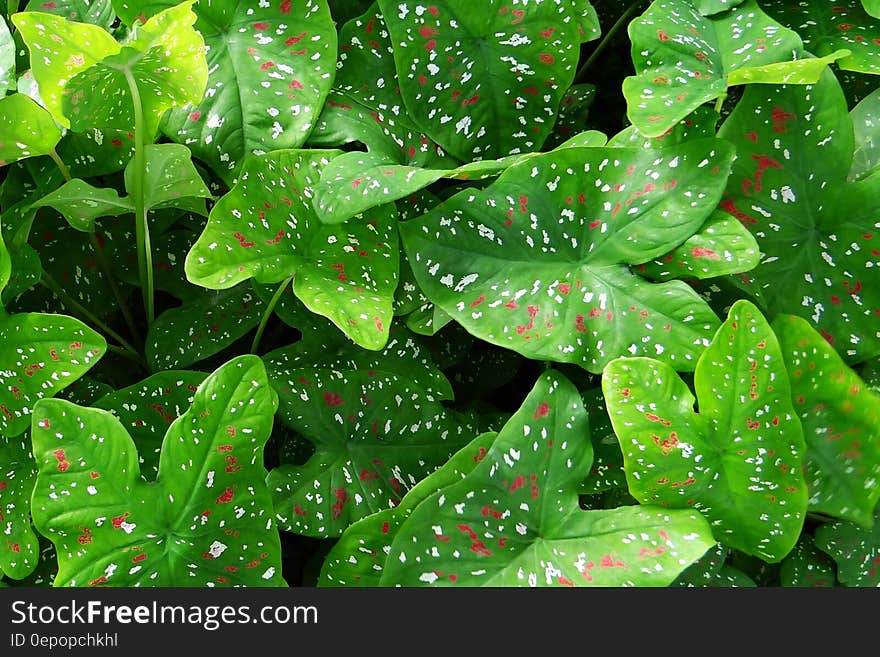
pixel 332 399
pixel 226 497
pixel 542 410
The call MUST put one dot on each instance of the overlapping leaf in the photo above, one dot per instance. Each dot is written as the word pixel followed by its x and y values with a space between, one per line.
pixel 514 520
pixel 7 58
pixel 96 12
pixel 684 59
pixel 866 124
pixel 206 520
pixel 19 546
pixel 807 566
pixel 817 234
pixel 26 129
pixel 855 549
pixel 538 261
pixel 738 461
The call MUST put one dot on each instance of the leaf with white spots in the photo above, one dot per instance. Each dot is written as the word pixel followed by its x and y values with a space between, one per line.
pixel 146 409
pixel 26 129
pixel 265 228
pixel 738 461
pixel 81 203
pixel 376 435
pixel 538 262
pixel 606 471
pixel 855 549
pixel 699 124
pixel 711 7
pixel 7 58
pixel 19 547
pixel 514 520
pixel 684 59
pixel 866 124
pixel 358 557
pixel 827 27
pixel 841 420
pixel 202 326
pixel 807 566
pixel 169 177
pixel 573 112
pixel 206 521
pixel 819 235
pixel 96 12
pixel 484 80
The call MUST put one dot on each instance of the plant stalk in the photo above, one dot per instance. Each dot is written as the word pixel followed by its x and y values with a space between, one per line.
pixel 623 20
pixel 268 313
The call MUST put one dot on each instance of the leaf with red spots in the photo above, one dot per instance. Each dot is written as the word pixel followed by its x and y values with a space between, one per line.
pixel 19 547
pixel 807 566
pixel 96 12
pixel 358 557
pixel 841 420
pixel 26 129
pixel 538 262
pixel 484 80
pixel 514 520
pixel 819 235
pixel 827 27
pixel 866 124
pixel 376 435
pixel 684 59
pixel 146 409
pixel 204 521
pixel 738 461
pixel 855 549
pixel 699 124
pixel 265 229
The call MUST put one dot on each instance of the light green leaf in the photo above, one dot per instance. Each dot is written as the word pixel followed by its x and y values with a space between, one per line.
pixel 81 203
pixel 26 129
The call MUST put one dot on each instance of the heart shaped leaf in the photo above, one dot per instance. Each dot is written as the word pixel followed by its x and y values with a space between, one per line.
pixel 816 232
pixel 169 176
pixel 26 129
pixel 514 520
pixel 81 203
pixel 866 124
pixel 738 461
pixel 855 549
pixel 546 273
pixel 19 547
pixel 204 521
pixel 841 420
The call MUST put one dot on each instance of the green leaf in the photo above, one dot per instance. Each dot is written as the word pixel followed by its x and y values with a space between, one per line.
pixel 738 461
pixel 81 203
pixel 872 7
pixel 474 75
pixel 169 176
pixel 96 12
pixel 514 520
pixel 376 435
pixel 856 551
pixel 7 58
pixel 265 228
pixel 684 59
pixel 96 152
pixel 841 420
pixel 607 469
pixel 19 547
pixel 26 129
pixel 817 234
pixel 710 7
pixel 538 261
pixel 806 566
pixel 203 522
pixel 866 124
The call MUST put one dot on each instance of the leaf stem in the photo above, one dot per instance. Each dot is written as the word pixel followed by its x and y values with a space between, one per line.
pixel 63 168
pixel 52 285
pixel 623 20
pixel 268 313
pixel 142 228
pixel 719 104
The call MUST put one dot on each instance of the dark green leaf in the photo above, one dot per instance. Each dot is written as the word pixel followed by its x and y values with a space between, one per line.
pixel 806 566
pixel 856 551
pixel 19 548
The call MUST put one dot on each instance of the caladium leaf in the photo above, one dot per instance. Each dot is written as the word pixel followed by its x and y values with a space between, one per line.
pixel 526 57
pixel 96 12
pixel 265 228
pixel 358 557
pixel 514 520
pixel 202 326
pixel 807 566
pixel 146 409
pixel 711 7
pixel 699 124
pixel 376 435
pixel 19 547
pixel 96 152
pixel 204 521
pixel 738 461
pixel 85 391
pixel 26 129
pixel 828 27
pixel 545 272
pixel 818 235
pixel 573 112
pixel 81 203
pixel 169 176
pixel 7 58
pixel 706 570
pixel 856 551
pixel 607 469
pixel 684 59
pixel 841 420
pixel 866 124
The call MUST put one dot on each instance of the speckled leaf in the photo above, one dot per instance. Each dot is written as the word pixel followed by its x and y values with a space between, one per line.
pixel 205 521
pixel 706 570
pixel 96 12
pixel 684 59
pixel 807 566
pixel 841 420
pixel 427 319
pixel 526 55
pixel 7 58
pixel 26 273
pixel 537 262
pixel 721 246
pixel 169 176
pixel 85 390
pixel 202 326
pixel 607 469
pixel 866 124
pixel 358 557
pixel 19 547
pixel 265 228
pixel 817 234
pixel 710 7
pixel 96 152
pixel 514 520
pixel 26 129
pixel 81 203
pixel 738 461
pixel 827 27
pixel 573 112
pixel 699 124
pixel 376 435
pixel 856 551
pixel 146 409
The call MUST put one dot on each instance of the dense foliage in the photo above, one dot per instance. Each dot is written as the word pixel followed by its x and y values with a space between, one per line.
pixel 496 292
